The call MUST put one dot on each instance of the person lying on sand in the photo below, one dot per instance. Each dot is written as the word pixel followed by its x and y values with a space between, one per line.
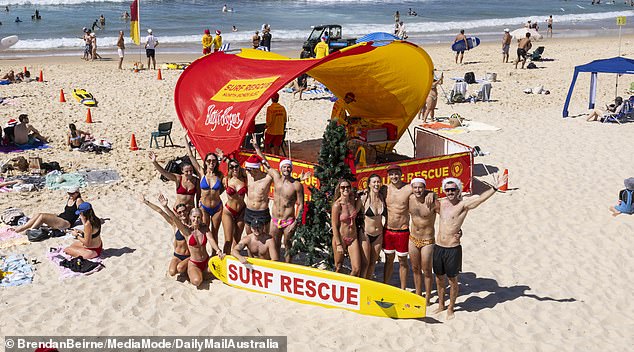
pixel 259 244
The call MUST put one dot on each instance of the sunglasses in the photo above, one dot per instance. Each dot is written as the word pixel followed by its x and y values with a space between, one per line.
pixel 345 187
pixel 211 161
pixel 451 190
pixel 234 166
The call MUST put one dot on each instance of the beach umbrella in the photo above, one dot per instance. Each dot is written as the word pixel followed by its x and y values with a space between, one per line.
pixel 521 33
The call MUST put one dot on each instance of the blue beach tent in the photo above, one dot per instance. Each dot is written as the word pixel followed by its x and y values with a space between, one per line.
pixel 379 38
pixel 618 65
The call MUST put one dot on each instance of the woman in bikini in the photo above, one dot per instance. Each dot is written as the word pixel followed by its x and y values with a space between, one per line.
pixel 187 190
pixel 178 263
pixel 258 243
pixel 233 214
pixel 62 221
pixel 344 227
pixel 210 190
pixel 374 213
pixel 196 235
pixel 89 244
pixel 432 100
pixel 76 137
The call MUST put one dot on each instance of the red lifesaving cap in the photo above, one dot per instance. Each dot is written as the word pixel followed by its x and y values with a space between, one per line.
pixel 218 32
pixel 207 31
pixel 394 167
pixel 275 96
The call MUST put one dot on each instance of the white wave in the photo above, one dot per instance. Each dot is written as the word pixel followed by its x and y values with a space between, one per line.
pixel 54 2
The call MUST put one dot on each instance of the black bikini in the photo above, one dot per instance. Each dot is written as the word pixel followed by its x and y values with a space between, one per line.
pixel 370 213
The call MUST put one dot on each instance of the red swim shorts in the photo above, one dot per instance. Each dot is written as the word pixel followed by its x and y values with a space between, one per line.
pixel 396 241
pixel 206 51
pixel 273 140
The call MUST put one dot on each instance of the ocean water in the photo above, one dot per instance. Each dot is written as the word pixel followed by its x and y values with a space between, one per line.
pixel 179 24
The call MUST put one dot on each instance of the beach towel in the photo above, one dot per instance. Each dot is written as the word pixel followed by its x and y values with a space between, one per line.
pixel 57 255
pixel 99 177
pixel 10 238
pixel 58 180
pixel 16 149
pixel 29 182
pixel 16 271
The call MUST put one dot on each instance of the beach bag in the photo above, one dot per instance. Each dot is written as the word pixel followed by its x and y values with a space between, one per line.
pixel 10 216
pixel 457 98
pixel 469 77
pixel 531 66
pixel 174 166
pixel 79 264
pixel 38 235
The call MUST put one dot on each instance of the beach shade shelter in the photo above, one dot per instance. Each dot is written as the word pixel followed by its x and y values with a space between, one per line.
pixel 218 96
pixel 617 65
pixel 521 33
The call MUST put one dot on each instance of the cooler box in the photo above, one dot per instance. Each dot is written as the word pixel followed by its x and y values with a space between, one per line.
pixel 373 134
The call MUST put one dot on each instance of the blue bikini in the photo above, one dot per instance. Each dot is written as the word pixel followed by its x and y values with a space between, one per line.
pixel 205 185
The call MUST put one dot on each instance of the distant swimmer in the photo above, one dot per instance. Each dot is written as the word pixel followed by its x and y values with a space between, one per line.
pixel 6 8
pixel 125 16
pixel 17 19
pixel 36 16
pixel 412 12
pixel 102 21
pixel 234 28
pixel 95 25
pixel 224 8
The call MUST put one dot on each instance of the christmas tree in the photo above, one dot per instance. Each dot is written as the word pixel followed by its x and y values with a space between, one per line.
pixel 315 237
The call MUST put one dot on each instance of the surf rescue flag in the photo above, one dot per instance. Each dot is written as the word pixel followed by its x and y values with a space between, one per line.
pixel 135 33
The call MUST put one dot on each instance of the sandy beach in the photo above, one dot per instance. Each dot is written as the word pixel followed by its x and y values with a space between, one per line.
pixel 544 266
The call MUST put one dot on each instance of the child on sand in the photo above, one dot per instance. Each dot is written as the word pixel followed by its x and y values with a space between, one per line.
pixel 625 204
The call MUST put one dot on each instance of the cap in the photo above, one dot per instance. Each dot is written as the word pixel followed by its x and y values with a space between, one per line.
pixel 394 167
pixel 83 207
pixel 275 96
pixel 207 31
pixel 506 30
pixel 218 32
pixel 72 189
pixel 149 31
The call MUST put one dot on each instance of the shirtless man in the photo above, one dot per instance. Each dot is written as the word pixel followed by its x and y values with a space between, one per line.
pixel 259 244
pixel 396 236
pixel 258 184
pixel 287 202
pixel 506 45
pixel 23 133
pixel 523 46
pixel 460 37
pixel 447 250
pixel 421 239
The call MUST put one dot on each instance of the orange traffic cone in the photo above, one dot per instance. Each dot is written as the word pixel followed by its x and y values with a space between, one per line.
pixel 61 96
pixel 41 76
pixel 505 186
pixel 160 76
pixel 133 145
pixel 88 116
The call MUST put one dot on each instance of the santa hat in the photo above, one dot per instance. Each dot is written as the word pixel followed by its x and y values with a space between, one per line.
pixel 286 162
pixel 253 162
pixel 218 32
pixel 419 180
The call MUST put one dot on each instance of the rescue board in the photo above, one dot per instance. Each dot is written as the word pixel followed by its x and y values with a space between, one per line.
pixel 84 97
pixel 471 41
pixel 318 287
pixel 8 42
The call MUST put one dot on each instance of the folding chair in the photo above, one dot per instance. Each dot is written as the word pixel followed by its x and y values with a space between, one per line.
pixel 225 47
pixel 537 54
pixel 620 113
pixel 164 130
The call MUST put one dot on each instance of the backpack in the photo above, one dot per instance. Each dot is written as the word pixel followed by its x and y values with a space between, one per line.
pixel 79 264
pixel 174 166
pixel 469 77
pixel 38 235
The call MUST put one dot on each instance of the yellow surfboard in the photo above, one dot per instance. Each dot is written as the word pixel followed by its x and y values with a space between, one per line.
pixel 318 287
pixel 84 97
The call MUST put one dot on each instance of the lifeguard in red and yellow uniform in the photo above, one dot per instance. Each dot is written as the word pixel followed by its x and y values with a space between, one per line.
pixel 339 109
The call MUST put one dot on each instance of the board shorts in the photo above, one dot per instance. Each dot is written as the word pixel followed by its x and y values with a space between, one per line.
pixel 149 53
pixel 460 52
pixel 505 48
pixel 206 51
pixel 120 52
pixel 396 241
pixel 447 261
pixel 521 53
pixel 273 139
pixel 264 216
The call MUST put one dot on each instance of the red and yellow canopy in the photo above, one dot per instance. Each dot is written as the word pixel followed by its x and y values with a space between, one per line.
pixel 218 96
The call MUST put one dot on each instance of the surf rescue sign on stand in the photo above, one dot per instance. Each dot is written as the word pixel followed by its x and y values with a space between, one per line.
pixel 297 286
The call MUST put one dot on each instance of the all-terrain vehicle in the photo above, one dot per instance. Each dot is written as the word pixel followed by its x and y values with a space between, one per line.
pixel 335 42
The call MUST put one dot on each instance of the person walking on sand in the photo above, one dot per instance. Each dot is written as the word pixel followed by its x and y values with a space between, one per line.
pixel 523 46
pixel 432 100
pixel 207 42
pixel 121 49
pixel 460 37
pixel 447 257
pixel 506 45
pixel 421 239
pixel 549 22
pixel 151 42
pixel 287 203
pixel 275 126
